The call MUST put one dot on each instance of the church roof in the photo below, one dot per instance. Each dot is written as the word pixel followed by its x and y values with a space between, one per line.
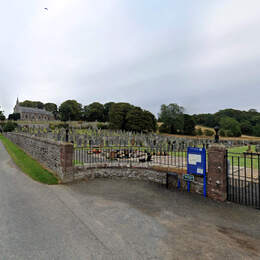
pixel 33 110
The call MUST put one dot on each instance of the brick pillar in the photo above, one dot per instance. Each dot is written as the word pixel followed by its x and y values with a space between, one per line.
pixel 66 153
pixel 217 180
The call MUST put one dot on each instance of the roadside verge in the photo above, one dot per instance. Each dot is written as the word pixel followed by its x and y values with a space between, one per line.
pixel 28 165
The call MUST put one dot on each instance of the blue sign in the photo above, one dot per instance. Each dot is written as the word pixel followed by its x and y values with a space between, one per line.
pixel 196 164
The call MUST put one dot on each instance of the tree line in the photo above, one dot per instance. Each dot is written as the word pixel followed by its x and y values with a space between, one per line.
pixel 172 118
pixel 121 115
pixel 232 122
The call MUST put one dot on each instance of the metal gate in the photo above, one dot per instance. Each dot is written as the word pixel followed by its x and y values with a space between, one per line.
pixel 243 178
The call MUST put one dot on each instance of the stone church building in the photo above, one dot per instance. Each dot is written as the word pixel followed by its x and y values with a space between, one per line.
pixel 32 114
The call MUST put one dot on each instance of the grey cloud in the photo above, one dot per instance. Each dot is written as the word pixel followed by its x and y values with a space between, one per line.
pixel 199 55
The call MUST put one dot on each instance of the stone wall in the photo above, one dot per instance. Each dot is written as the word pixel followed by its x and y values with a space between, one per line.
pixel 56 156
pixel 144 174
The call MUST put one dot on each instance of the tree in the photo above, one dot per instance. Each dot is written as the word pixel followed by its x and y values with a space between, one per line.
pixel 208 120
pixel 222 132
pixel 255 120
pixel 107 108
pixel 14 116
pixel 256 130
pixel 172 118
pixel 134 120
pixel 228 123
pixel 34 104
pixel 252 110
pixel 38 104
pixel 9 127
pixel 51 107
pixel 150 121
pixel 117 115
pixel 139 120
pixel 70 110
pixel 189 125
pixel 26 103
pixel 232 113
pixel 246 127
pixel 2 116
pixel 94 112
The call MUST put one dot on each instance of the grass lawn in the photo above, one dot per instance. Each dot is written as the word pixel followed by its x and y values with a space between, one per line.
pixel 241 149
pixel 28 165
pixel 238 157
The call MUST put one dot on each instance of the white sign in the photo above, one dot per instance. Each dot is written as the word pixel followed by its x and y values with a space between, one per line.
pixel 200 170
pixel 194 159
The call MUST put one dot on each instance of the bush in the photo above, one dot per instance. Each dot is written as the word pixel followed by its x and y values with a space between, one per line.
pixel 208 132
pixel 9 127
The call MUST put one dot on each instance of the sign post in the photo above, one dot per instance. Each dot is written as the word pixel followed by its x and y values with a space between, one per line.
pixel 196 165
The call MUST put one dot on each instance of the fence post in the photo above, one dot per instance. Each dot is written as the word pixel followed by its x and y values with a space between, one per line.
pixel 217 179
pixel 66 154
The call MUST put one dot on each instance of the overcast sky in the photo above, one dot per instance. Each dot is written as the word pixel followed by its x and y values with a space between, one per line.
pixel 203 55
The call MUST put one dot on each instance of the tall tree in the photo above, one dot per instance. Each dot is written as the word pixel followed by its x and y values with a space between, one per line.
pixel 246 127
pixel 94 112
pixel 117 115
pixel 150 121
pixel 189 125
pixel 172 118
pixel 107 108
pixel 51 107
pixel 70 110
pixel 232 125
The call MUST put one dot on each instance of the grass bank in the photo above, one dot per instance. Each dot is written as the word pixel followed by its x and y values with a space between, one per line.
pixel 28 165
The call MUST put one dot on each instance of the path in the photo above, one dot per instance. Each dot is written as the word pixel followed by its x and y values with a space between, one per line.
pixel 117 219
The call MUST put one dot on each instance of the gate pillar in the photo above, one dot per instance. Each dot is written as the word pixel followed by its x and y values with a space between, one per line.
pixel 217 170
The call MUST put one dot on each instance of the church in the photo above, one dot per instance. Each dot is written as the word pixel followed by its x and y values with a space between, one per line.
pixel 32 114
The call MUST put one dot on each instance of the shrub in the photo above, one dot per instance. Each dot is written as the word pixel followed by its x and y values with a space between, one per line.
pixel 9 127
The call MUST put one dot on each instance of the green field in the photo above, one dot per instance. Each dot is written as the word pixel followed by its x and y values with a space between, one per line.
pixel 28 165
pixel 238 156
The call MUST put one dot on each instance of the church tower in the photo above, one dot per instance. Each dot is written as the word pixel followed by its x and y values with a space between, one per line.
pixel 16 110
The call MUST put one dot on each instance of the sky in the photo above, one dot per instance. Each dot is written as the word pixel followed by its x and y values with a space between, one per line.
pixel 203 55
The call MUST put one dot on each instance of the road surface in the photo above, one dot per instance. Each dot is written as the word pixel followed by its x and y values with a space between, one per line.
pixel 118 219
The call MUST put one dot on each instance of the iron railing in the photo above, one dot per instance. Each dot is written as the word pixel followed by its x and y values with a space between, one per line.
pixel 243 178
pixel 130 156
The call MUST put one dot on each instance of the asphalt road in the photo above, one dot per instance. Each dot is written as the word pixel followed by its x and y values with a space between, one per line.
pixel 118 219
